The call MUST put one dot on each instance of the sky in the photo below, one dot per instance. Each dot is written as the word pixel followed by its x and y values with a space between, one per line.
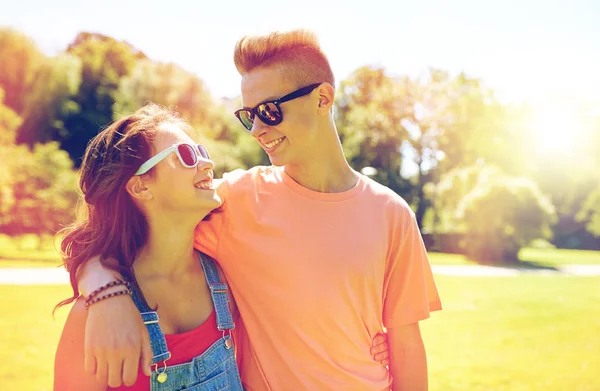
pixel 524 50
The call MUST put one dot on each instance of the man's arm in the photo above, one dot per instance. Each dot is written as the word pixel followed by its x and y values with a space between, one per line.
pixel 410 296
pixel 116 339
pixel 408 361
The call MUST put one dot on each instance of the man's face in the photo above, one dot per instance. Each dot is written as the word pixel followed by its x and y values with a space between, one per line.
pixel 290 141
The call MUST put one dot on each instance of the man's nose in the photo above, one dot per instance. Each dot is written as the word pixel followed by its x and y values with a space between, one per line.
pixel 258 128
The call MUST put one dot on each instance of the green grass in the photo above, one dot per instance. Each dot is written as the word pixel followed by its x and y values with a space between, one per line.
pixel 515 333
pixel 549 257
pixel 553 257
pixel 29 335
pixel 23 262
pixel 28 251
pixel 31 251
pixel 495 334
pixel 449 259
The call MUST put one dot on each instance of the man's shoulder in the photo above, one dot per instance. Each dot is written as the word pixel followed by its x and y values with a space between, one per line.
pixel 242 183
pixel 257 173
pixel 385 196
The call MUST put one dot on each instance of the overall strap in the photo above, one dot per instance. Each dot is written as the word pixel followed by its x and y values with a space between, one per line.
pixel 218 291
pixel 150 318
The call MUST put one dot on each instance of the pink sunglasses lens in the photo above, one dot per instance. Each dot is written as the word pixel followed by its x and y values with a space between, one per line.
pixel 188 155
pixel 203 151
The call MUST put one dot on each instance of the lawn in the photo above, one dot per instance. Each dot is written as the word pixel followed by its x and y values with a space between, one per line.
pixel 28 252
pixel 521 333
pixel 547 257
pixel 495 333
pixel 12 257
pixel 29 335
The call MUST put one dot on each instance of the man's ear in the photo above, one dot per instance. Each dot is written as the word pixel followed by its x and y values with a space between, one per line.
pixel 326 97
pixel 136 187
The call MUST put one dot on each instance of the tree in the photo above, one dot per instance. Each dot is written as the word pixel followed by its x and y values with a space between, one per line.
pixel 499 214
pixel 19 61
pixel 368 113
pixel 450 122
pixel 425 126
pixel 104 61
pixel 165 84
pixel 171 86
pixel 570 176
pixel 590 213
pixel 37 191
pixel 590 210
pixel 9 122
pixel 37 188
pixel 52 100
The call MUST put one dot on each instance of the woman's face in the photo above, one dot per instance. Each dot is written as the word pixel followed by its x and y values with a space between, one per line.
pixel 176 188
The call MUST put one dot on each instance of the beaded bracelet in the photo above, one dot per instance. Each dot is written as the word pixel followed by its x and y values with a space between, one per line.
pixel 105 287
pixel 94 300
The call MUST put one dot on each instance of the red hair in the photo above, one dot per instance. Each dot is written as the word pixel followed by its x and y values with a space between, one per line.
pixel 296 52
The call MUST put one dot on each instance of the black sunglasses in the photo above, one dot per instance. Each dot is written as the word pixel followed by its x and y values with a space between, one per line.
pixel 269 112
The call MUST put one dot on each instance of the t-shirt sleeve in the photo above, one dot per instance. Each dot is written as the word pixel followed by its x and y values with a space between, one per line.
pixel 207 231
pixel 410 293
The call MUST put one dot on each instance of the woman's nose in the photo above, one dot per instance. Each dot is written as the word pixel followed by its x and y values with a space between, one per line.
pixel 205 164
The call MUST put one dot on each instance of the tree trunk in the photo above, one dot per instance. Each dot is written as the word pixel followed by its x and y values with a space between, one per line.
pixel 421 202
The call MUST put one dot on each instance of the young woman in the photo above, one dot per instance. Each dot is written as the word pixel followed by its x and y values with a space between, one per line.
pixel 146 184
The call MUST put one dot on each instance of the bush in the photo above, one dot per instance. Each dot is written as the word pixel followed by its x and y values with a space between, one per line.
pixel 499 214
pixel 37 191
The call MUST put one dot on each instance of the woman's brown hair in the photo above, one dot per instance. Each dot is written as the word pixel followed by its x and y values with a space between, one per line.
pixel 109 224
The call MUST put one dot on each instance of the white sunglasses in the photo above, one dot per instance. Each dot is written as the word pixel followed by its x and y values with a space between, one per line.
pixel 188 155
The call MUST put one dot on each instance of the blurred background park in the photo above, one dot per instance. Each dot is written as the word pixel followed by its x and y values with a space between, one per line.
pixel 484 116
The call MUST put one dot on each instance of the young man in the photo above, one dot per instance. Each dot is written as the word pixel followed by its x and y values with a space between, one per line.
pixel 318 256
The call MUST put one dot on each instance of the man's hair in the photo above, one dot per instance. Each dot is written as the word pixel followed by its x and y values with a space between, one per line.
pixel 296 53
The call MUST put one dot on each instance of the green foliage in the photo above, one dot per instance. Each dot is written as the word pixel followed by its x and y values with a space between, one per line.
pixel 368 113
pixel 52 101
pixel 19 60
pixel 104 61
pixel 431 138
pixel 500 214
pixel 9 122
pixel 451 121
pixel 433 123
pixel 590 213
pixel 169 85
pixel 37 189
pixel 447 194
pixel 165 84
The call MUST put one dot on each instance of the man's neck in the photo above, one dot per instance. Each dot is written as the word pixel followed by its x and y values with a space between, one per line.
pixel 327 173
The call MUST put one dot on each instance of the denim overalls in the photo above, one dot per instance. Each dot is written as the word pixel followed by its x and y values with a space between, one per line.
pixel 215 369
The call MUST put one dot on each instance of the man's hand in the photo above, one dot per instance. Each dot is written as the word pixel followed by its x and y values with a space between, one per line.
pixel 116 342
pixel 380 349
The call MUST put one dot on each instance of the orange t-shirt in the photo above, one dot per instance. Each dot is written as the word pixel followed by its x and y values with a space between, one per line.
pixel 315 275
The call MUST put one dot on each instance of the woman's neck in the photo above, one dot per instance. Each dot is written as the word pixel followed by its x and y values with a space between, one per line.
pixel 169 250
